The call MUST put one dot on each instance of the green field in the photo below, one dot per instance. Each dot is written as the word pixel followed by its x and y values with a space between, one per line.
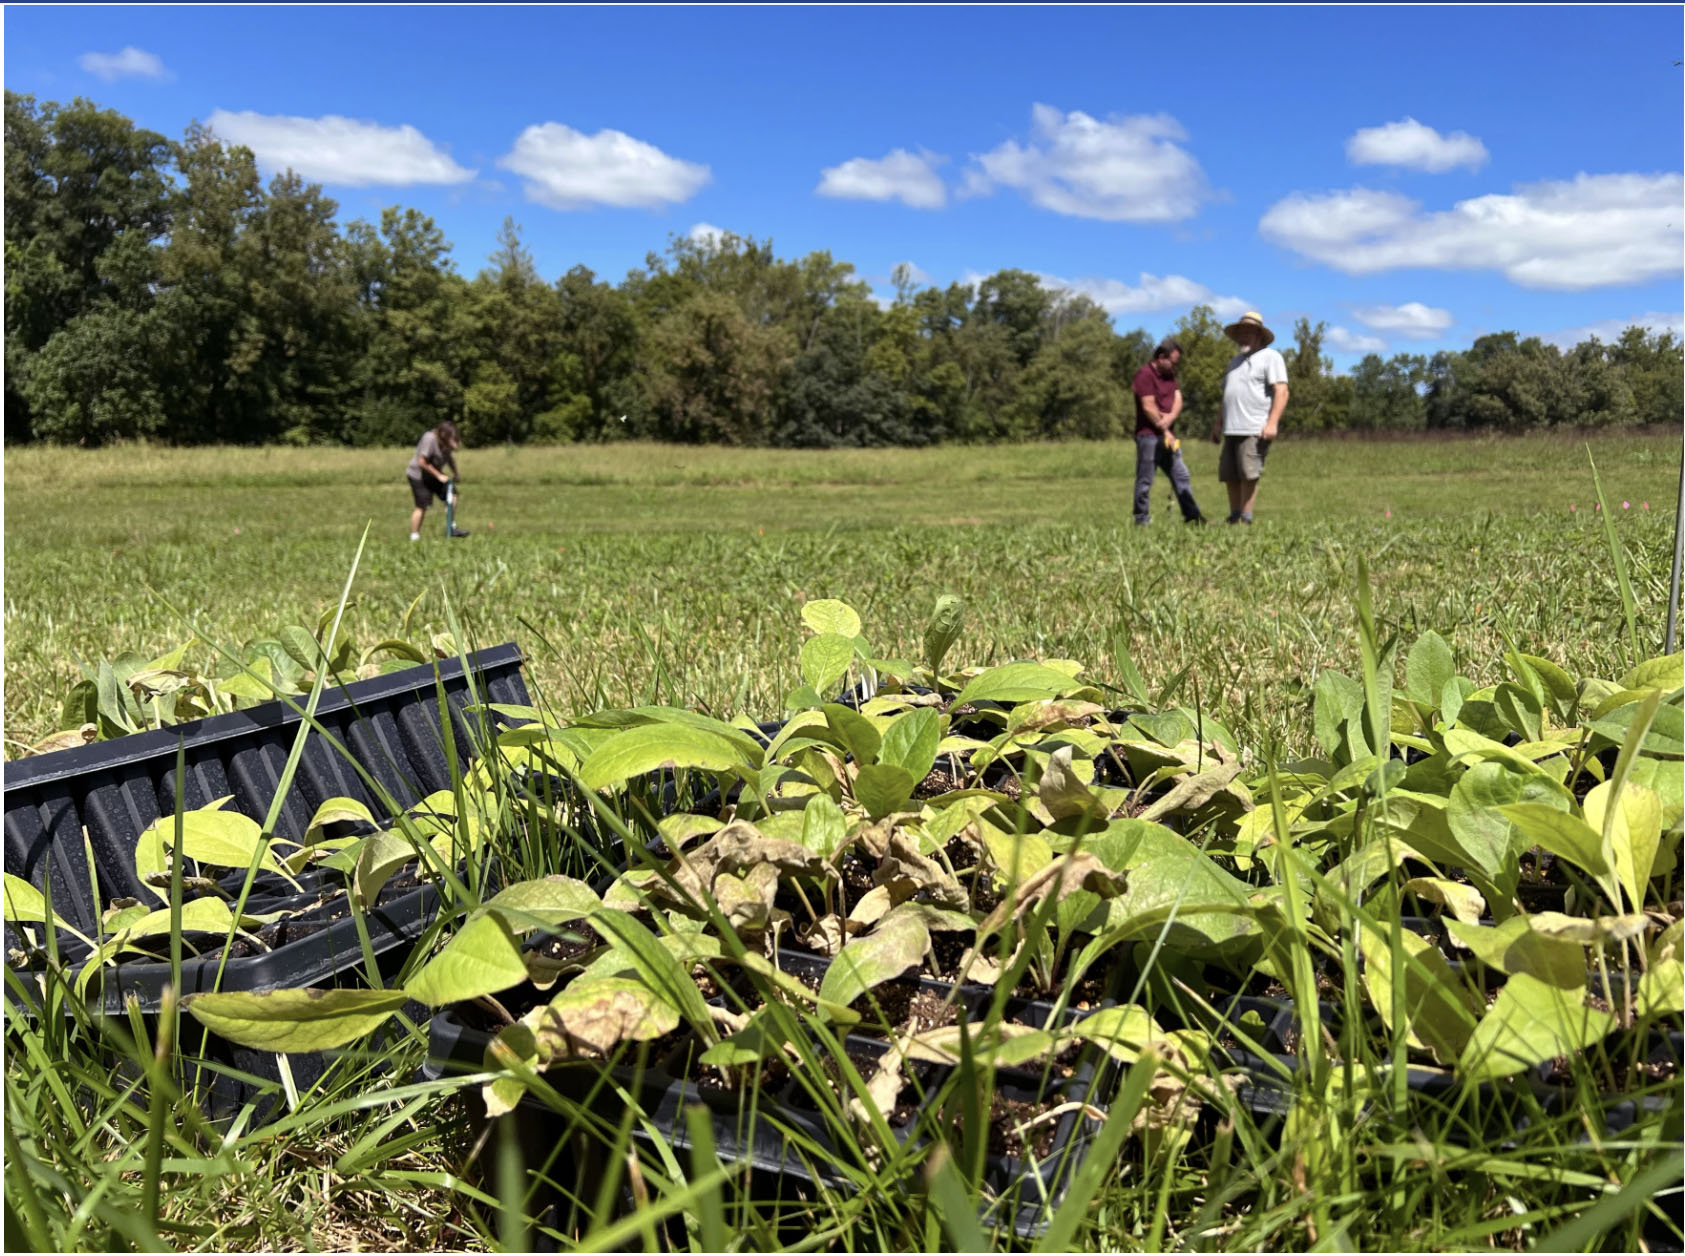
pixel 633 571
pixel 659 575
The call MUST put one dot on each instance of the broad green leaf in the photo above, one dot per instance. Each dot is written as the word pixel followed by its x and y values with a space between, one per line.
pixel 1475 817
pixel 1428 668
pixel 1451 700
pixel 910 742
pixel 1667 730
pixel 1661 990
pixel 1016 855
pixel 882 788
pixel 1631 832
pixel 223 839
pixel 1440 1011
pixel 295 1020
pixel 301 646
pixel 825 660
pixel 483 958
pixel 199 915
pixel 1337 715
pixel 1463 743
pixel 24 903
pixel 379 855
pixel 1170 880
pixel 1017 682
pixel 335 811
pixel 1666 673
pixel 682 828
pixel 827 615
pixel 1122 1032
pixel 1666 781
pixel 1559 686
pixel 543 904
pixel 858 735
pixel 590 727
pixel 824 829
pixel 1520 711
pixel 898 944
pixel 1515 947
pixel 1530 1023
pixel 942 631
pixel 759 1039
pixel 650 747
pixel 1462 901
pixel 1560 833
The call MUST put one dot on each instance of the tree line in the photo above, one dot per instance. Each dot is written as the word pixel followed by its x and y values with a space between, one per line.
pixel 159 289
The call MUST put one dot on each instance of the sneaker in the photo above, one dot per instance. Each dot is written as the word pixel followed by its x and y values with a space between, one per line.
pixel 1141 523
pixel 457 532
pixel 1197 520
pixel 415 536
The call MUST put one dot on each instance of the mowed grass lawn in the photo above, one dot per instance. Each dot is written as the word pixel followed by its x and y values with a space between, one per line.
pixel 652 573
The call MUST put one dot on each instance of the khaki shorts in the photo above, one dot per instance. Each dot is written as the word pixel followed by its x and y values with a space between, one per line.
pixel 1242 459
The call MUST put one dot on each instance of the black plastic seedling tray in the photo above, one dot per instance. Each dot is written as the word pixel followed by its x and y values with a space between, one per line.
pixel 778 1129
pixel 391 725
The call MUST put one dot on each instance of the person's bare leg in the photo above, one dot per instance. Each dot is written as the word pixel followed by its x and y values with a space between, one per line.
pixel 1248 497
pixel 416 516
pixel 1236 491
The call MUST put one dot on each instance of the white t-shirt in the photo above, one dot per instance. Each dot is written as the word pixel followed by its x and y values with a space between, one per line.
pixel 1246 401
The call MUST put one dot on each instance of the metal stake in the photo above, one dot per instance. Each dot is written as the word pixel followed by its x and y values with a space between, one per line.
pixel 1678 548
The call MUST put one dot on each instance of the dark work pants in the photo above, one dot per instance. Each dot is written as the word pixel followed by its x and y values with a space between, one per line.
pixel 1150 455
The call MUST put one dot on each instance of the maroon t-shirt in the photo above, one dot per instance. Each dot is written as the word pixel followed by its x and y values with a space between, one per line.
pixel 1149 383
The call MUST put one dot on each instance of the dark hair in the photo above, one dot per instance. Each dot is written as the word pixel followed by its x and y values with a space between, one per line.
pixel 446 432
pixel 1166 349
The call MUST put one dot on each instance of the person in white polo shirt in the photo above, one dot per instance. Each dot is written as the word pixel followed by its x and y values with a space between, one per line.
pixel 1254 395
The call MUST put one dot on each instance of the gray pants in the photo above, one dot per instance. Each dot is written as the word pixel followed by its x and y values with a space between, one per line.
pixel 1150 455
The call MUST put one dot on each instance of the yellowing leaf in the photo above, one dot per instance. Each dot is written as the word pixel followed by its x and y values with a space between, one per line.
pixel 1631 832
pixel 1531 1022
pixel 827 615
pixel 294 1020
pixel 482 958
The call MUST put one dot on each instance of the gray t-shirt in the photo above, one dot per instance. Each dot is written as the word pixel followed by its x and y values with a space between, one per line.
pixel 428 447
pixel 1246 397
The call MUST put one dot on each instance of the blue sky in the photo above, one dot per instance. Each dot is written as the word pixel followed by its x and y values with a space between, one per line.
pixel 1414 177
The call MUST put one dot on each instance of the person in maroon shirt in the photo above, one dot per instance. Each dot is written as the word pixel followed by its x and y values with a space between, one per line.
pixel 1158 400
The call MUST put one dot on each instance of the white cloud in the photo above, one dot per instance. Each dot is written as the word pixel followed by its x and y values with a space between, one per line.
pixel 1416 147
pixel 1342 341
pixel 1589 232
pixel 1609 330
pixel 1153 294
pixel 567 169
pixel 707 234
pixel 338 150
pixel 1126 170
pixel 910 178
pixel 1412 319
pixel 132 62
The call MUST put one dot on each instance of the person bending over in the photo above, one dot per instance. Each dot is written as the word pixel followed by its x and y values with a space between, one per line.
pixel 1158 400
pixel 1254 395
pixel 435 451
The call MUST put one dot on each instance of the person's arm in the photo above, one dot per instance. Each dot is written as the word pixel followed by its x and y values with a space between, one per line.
pixel 1278 403
pixel 1149 407
pixel 1278 396
pixel 1175 409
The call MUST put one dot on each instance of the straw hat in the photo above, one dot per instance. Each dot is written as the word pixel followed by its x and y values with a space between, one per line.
pixel 1249 319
